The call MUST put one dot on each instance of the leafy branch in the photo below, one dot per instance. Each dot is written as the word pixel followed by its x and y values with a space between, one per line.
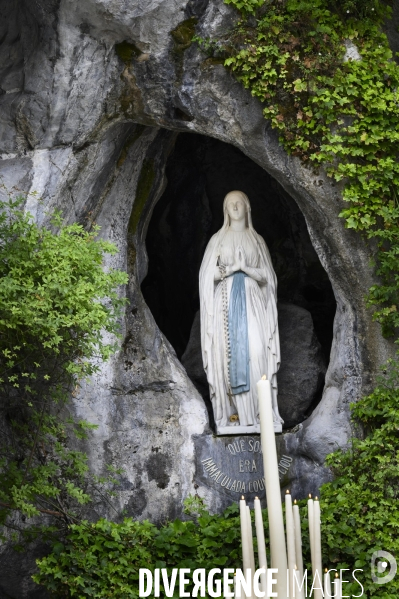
pixel 56 303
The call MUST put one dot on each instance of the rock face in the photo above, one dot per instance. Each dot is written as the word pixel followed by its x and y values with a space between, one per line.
pixel 302 371
pixel 93 93
pixel 192 358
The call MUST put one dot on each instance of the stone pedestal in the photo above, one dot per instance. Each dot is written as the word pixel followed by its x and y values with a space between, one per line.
pixel 245 430
pixel 232 466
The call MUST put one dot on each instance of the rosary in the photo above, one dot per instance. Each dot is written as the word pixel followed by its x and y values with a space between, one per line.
pixel 222 269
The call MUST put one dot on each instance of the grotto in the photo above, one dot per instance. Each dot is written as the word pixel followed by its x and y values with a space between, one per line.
pixel 199 173
pixel 112 115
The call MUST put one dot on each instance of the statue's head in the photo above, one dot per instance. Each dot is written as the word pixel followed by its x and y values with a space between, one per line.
pixel 236 206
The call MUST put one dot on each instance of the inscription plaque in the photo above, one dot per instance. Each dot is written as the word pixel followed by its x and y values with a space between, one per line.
pixel 233 466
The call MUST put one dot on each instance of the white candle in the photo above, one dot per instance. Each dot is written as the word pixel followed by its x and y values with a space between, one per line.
pixel 311 531
pixel 290 534
pixel 327 585
pixel 260 535
pixel 272 484
pixel 318 593
pixel 246 560
pixel 298 538
pixel 299 593
pixel 251 549
pixel 338 587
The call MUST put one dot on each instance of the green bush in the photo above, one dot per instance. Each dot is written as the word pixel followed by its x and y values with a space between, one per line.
pixel 56 302
pixel 102 560
pixel 360 506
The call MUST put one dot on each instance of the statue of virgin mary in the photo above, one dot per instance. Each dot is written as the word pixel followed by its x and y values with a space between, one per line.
pixel 239 328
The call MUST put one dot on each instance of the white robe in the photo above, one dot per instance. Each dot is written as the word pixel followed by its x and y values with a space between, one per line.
pixel 263 337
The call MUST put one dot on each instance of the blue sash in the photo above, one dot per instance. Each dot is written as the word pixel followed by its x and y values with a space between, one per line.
pixel 238 333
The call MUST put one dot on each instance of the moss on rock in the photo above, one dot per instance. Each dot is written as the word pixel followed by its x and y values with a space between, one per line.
pixel 183 34
pixel 182 37
pixel 127 51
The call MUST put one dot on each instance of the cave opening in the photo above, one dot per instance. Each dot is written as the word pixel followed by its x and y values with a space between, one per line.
pixel 200 171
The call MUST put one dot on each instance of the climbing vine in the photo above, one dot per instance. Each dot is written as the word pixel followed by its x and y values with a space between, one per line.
pixel 328 82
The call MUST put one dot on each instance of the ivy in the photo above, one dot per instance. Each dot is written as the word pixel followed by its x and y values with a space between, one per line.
pixel 56 302
pixel 247 6
pixel 326 77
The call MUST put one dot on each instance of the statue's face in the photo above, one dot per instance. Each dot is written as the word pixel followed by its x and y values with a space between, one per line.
pixel 236 207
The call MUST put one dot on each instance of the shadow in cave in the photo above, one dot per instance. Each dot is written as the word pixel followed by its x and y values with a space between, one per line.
pixel 200 172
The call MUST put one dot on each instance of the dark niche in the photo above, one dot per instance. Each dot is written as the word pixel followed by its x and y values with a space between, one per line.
pixel 200 172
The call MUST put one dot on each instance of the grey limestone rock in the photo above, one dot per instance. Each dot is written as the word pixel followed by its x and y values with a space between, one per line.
pixel 192 358
pixel 302 371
